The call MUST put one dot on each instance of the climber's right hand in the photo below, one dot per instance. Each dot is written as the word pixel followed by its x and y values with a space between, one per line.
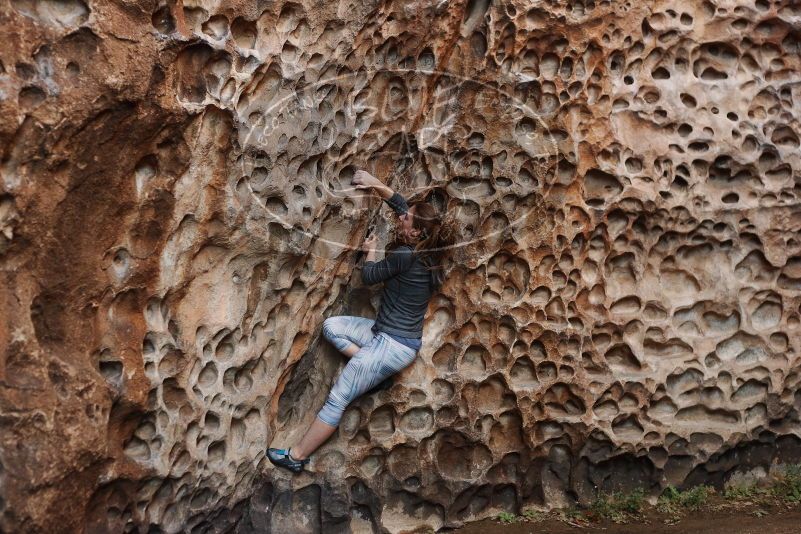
pixel 365 180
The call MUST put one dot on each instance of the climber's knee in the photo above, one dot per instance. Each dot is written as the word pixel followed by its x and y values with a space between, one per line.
pixel 331 412
pixel 328 328
pixel 331 331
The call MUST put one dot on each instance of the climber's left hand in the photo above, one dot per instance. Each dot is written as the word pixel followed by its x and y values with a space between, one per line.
pixel 370 243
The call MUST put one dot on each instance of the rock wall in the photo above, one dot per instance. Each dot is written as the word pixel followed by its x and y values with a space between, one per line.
pixel 176 223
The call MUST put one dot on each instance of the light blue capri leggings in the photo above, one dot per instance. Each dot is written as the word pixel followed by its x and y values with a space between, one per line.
pixel 379 356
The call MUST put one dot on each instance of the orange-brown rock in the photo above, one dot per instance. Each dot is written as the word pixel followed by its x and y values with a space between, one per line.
pixel 176 222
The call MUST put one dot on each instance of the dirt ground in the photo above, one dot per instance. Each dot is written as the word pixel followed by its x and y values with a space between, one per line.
pixel 743 519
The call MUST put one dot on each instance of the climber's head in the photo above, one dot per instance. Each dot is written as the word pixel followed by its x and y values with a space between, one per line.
pixel 423 227
pixel 406 229
pixel 430 233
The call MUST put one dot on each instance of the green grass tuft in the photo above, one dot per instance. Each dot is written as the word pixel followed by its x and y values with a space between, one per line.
pixel 507 517
pixel 533 515
pixel 567 515
pixel 675 502
pixel 738 493
pixel 618 507
pixel 788 484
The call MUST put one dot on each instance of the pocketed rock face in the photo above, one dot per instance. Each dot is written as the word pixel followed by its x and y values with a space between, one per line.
pixel 176 224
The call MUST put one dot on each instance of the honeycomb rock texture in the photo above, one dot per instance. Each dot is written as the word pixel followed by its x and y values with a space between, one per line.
pixel 176 223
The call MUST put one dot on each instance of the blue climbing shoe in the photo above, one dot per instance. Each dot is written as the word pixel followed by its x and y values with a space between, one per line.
pixel 281 458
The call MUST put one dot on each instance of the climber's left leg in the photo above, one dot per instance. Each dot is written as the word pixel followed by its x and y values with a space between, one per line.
pixel 316 435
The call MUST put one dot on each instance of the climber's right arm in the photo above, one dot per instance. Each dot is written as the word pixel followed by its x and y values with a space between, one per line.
pixel 364 180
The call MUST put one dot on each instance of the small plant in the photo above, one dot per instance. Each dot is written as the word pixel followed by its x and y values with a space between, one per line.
pixel 632 502
pixel 737 493
pixel 507 517
pixel 788 484
pixel 533 515
pixel 618 507
pixel 674 502
pixel 694 498
pixel 568 515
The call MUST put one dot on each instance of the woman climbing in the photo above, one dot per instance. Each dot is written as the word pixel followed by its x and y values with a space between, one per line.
pixel 412 271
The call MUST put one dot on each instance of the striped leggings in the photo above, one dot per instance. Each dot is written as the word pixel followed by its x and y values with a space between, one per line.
pixel 379 356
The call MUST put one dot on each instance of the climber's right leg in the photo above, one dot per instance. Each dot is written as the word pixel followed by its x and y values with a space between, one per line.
pixel 379 359
pixel 348 333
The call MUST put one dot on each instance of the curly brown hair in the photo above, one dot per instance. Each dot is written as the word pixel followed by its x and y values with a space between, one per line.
pixel 436 239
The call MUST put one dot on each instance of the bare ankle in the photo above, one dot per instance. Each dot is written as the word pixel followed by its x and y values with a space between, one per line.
pixel 295 456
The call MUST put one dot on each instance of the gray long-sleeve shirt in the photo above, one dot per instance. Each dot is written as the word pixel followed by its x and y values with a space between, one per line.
pixel 407 286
